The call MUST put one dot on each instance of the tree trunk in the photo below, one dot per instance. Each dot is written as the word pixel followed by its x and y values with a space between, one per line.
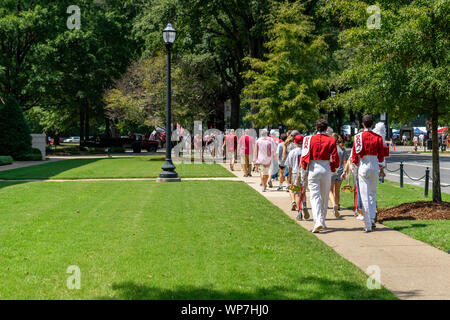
pixel 107 128
pixel 86 123
pixel 435 147
pixel 81 126
pixel 56 139
pixel 235 110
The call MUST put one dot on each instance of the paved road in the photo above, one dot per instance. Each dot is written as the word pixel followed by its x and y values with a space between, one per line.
pixel 415 166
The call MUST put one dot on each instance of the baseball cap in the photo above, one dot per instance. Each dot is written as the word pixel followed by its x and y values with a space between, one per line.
pixel 298 139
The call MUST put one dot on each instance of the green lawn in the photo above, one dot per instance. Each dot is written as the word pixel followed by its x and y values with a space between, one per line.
pixel 434 232
pixel 389 194
pixel 145 240
pixel 119 167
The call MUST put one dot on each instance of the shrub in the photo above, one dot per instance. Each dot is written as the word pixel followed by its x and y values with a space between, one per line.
pixel 34 155
pixel 117 150
pixel 96 150
pixel 15 138
pixel 4 160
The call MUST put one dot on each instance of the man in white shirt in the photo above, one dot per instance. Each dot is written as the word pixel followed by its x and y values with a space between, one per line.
pixel 265 151
pixel 274 164
pixel 421 138
pixel 295 178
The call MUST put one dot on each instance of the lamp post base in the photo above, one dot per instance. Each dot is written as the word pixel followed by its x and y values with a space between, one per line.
pixel 168 180
pixel 168 174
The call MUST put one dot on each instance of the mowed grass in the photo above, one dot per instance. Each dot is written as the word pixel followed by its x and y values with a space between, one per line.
pixel 434 232
pixel 389 194
pixel 120 167
pixel 145 240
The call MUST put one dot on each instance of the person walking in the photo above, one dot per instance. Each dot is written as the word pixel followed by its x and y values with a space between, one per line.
pixel 368 152
pixel 264 153
pixel 274 164
pixel 296 178
pixel 350 166
pixel 336 181
pixel 246 144
pixel 319 158
pixel 230 148
pixel 289 145
pixel 281 161
pixel 421 139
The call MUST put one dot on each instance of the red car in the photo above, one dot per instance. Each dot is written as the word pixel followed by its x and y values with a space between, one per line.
pixel 141 142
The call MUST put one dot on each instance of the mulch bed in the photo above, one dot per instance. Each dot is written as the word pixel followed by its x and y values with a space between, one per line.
pixel 420 210
pixel 157 159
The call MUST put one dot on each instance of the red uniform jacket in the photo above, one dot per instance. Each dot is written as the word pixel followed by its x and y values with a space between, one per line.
pixel 368 143
pixel 320 147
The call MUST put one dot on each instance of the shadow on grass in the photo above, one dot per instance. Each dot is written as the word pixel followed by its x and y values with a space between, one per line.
pixel 46 170
pixel 310 288
pixel 5 184
pixel 412 226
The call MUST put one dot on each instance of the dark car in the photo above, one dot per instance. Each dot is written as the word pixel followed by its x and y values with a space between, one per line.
pixel 135 141
pixel 139 142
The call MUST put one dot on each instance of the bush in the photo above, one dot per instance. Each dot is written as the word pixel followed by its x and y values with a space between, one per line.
pixel 96 150
pixel 34 155
pixel 15 138
pixel 4 160
pixel 117 150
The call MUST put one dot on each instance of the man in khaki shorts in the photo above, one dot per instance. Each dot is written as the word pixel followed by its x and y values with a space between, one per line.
pixel 246 146
pixel 295 178
pixel 265 150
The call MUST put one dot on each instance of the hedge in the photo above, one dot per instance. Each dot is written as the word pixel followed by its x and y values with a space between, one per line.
pixel 15 138
pixel 4 160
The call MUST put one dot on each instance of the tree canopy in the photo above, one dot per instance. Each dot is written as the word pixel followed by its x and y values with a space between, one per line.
pixel 402 68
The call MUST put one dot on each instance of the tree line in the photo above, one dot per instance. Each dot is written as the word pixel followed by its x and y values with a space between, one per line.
pixel 276 61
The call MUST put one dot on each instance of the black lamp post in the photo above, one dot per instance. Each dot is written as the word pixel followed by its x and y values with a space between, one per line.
pixel 168 174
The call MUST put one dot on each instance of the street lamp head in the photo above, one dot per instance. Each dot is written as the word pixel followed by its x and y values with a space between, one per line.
pixel 169 35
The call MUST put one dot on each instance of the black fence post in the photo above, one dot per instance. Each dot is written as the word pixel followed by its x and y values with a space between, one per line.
pixel 427 181
pixel 401 174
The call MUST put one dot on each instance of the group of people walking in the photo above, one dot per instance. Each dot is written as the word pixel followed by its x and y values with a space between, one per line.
pixel 317 162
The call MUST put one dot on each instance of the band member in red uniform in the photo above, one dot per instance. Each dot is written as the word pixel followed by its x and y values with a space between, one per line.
pixel 368 153
pixel 319 159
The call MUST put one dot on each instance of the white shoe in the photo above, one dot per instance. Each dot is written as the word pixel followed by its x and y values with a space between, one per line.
pixel 359 217
pixel 367 230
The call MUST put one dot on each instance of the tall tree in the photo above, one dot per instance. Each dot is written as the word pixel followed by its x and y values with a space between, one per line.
pixel 23 26
pixel 87 60
pixel 285 84
pixel 229 30
pixel 403 67
pixel 138 98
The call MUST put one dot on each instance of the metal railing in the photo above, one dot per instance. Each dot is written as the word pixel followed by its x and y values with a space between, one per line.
pixel 425 177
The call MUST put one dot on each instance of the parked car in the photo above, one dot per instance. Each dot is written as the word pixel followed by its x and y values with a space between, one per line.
pixel 72 140
pixel 139 141
pixel 135 141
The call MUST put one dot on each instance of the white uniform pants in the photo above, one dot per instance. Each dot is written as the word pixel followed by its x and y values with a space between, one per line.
pixel 319 181
pixel 368 174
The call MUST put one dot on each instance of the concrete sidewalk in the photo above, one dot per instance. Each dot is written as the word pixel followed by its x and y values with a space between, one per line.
pixel 23 164
pixel 411 269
